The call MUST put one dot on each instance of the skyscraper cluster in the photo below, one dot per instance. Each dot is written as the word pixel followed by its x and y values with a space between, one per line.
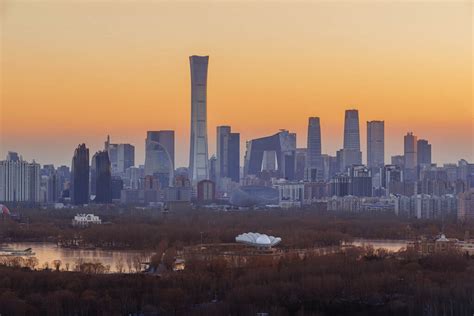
pixel 270 163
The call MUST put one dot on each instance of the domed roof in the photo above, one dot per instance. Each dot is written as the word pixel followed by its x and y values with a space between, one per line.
pixel 258 240
pixel 263 240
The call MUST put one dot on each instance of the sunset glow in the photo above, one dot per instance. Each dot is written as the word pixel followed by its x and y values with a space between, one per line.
pixel 74 72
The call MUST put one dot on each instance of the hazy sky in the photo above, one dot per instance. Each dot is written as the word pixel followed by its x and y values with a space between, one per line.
pixel 75 71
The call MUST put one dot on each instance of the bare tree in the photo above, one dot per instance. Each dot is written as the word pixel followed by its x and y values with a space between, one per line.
pixel 56 264
pixel 119 265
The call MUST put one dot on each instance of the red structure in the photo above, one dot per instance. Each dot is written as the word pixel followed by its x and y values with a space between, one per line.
pixel 4 210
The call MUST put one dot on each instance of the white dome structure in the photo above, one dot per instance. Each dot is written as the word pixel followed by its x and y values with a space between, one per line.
pixel 258 240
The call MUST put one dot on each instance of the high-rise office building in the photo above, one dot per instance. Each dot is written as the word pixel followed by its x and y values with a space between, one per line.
pixel 213 168
pixel 351 130
pixel 398 160
pixel 392 179
pixel 300 163
pixel 410 156
pixel 159 156
pixel 375 144
pixel 314 164
pixel 63 177
pixel 19 180
pixel 351 154
pixel 103 177
pixel 361 181
pixel 80 176
pixel 121 156
pixel 423 152
pixel 92 177
pixel 112 150
pixel 277 152
pixel 125 157
pixel 227 154
pixel 198 154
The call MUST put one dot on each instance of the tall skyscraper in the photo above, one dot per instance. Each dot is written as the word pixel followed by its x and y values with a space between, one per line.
pixel 314 164
pixel 198 154
pixel 121 156
pixel 423 152
pixel 112 150
pixel 351 154
pixel 103 177
pixel 228 154
pixel 351 130
pixel 159 156
pixel 300 163
pixel 375 144
pixel 80 176
pixel 125 157
pixel 410 156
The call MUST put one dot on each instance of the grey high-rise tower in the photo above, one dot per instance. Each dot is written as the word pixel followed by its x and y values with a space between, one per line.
pixel 103 177
pixel 375 144
pixel 410 157
pixel 80 176
pixel 198 154
pixel 423 152
pixel 228 154
pixel 351 130
pixel 314 165
pixel 351 154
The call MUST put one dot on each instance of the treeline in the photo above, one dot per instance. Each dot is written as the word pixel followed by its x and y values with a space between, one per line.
pixel 144 229
pixel 353 283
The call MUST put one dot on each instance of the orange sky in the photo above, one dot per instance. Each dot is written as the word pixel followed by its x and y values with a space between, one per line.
pixel 75 71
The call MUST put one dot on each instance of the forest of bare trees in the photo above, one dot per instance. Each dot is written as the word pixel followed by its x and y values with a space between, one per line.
pixel 145 229
pixel 357 282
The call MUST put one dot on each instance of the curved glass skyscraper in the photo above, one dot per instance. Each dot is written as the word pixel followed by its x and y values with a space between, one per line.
pixel 198 154
pixel 159 156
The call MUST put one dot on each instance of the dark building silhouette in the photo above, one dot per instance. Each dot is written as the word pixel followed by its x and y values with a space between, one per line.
pixel 314 163
pixel 213 168
pixel 423 152
pixel 410 156
pixel 103 177
pixel 80 176
pixel 206 191
pixel 300 163
pixel 361 181
pixel 228 154
pixel 117 187
pixel 340 185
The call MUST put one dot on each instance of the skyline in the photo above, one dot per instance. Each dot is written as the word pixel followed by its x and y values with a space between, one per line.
pixel 125 91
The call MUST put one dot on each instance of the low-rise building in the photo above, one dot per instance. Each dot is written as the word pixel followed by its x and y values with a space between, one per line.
pixel 290 194
pixel 83 220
